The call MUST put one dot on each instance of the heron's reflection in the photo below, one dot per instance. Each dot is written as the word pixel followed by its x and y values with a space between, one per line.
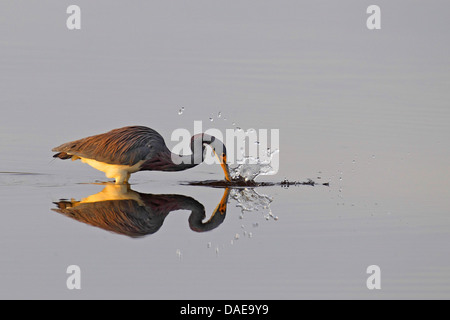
pixel 120 209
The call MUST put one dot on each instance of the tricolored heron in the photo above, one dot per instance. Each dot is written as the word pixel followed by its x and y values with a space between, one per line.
pixel 121 152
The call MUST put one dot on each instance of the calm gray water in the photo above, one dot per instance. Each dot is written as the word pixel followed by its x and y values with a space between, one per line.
pixel 367 111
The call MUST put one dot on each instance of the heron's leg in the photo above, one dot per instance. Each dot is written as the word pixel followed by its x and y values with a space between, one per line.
pixel 119 178
pixel 122 177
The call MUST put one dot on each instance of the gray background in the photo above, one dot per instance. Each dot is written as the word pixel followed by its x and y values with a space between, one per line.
pixel 365 110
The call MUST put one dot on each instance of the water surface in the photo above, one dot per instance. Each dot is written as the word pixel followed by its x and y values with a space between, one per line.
pixel 366 112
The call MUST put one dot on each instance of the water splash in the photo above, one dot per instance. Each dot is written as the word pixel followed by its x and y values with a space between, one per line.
pixel 249 168
pixel 260 162
pixel 248 199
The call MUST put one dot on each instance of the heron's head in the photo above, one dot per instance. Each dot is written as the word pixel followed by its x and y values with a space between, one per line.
pixel 199 143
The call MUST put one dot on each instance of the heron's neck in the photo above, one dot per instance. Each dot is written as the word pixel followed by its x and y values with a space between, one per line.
pixel 168 161
pixel 180 162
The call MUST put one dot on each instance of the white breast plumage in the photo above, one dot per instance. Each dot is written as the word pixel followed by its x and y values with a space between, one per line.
pixel 121 173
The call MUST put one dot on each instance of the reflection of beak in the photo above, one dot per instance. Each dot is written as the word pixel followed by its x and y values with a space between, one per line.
pixel 222 206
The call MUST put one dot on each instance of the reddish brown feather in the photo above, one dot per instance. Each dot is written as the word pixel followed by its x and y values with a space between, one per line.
pixel 127 145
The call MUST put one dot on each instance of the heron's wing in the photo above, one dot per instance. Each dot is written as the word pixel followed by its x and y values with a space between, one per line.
pixel 125 146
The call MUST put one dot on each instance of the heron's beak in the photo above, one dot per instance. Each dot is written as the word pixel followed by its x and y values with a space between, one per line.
pixel 220 152
pixel 226 170
pixel 223 163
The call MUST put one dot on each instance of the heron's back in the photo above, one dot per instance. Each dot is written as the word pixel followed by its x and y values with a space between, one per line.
pixel 125 146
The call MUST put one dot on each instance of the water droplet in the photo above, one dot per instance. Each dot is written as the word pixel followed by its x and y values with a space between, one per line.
pixel 354 161
pixel 219 114
pixel 178 252
pixel 180 112
pixel 236 236
pixel 250 234
pixel 208 245
pixel 211 119
pixel 233 123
